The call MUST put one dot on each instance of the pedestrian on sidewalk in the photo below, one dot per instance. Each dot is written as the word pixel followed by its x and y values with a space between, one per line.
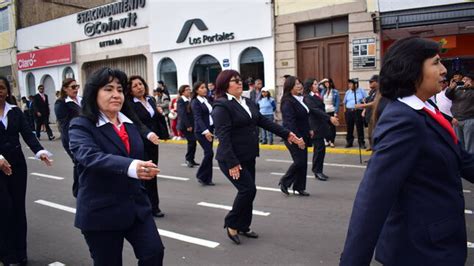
pixel 410 204
pixel 186 124
pixel 236 119
pixel 41 113
pixel 13 174
pixel 354 95
pixel 267 106
pixel 331 104
pixel 111 203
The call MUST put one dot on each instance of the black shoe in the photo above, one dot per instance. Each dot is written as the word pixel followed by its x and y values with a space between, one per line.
pixel 348 145
pixel 195 163
pixel 210 184
pixel 284 189
pixel 189 164
pixel 158 214
pixel 250 234
pixel 362 146
pixel 51 138
pixel 234 239
pixel 321 176
pixel 301 192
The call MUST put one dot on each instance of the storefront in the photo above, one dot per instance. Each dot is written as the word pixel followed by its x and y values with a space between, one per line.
pixel 205 38
pixel 450 25
pixel 113 35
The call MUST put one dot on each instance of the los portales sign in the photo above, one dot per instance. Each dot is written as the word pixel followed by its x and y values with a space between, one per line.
pixel 204 39
pixel 93 27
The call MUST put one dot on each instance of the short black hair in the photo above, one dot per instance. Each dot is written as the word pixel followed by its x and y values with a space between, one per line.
pixel 307 85
pixel 196 86
pixel 10 98
pixel 402 66
pixel 289 84
pixel 97 80
pixel 128 92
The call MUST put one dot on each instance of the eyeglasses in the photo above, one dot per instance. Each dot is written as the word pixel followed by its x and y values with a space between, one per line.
pixel 75 87
pixel 236 80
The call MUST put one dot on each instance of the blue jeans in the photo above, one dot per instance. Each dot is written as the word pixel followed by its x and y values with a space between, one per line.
pixel 465 134
pixel 265 134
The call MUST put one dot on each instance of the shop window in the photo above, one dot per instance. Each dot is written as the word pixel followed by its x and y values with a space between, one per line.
pixel 251 65
pixel 68 73
pixel 167 73
pixel 206 68
pixel 4 19
pixel 30 84
pixel 322 28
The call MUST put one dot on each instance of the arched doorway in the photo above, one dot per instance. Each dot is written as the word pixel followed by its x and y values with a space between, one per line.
pixel 251 65
pixel 206 68
pixel 167 73
pixel 68 73
pixel 30 84
pixel 50 90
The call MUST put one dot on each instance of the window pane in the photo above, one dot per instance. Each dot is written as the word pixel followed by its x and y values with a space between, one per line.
pixel 4 20
pixel 340 26
pixel 323 29
pixel 305 31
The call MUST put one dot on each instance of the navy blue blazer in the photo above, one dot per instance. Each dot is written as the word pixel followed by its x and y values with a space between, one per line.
pixel 185 115
pixel 410 203
pixel 65 112
pixel 10 146
pixel 237 131
pixel 295 117
pixel 201 116
pixel 318 118
pixel 108 199
pixel 155 123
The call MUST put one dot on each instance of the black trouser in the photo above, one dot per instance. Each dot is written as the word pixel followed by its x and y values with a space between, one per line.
pixel 13 213
pixel 151 185
pixel 204 172
pixel 191 151
pixel 331 137
pixel 43 120
pixel 106 246
pixel 319 152
pixel 29 119
pixel 75 174
pixel 296 174
pixel 240 217
pixel 354 116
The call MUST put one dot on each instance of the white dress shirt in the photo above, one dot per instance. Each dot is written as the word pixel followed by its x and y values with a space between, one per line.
pixel 78 100
pixel 416 103
pixel 241 101
pixel 300 98
pixel 145 104
pixel 209 107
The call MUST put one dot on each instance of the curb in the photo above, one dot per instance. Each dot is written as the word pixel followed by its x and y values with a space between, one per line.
pixel 281 147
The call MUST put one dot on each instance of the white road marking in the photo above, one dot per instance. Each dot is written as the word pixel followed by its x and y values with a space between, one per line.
pixel 467 211
pixel 189 239
pixel 216 168
pixel 225 207
pixel 169 234
pixel 470 244
pixel 48 176
pixel 466 191
pixel 57 263
pixel 326 164
pixel 273 173
pixel 268 189
pixel 32 158
pixel 174 177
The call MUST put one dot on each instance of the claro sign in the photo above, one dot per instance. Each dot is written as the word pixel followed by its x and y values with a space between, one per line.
pixel 92 27
pixel 53 56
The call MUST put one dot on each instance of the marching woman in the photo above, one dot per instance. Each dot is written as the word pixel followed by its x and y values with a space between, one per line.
pixel 203 129
pixel 13 175
pixel 186 123
pixel 236 119
pixel 112 204
pixel 295 115
pixel 410 204
pixel 67 107
pixel 146 110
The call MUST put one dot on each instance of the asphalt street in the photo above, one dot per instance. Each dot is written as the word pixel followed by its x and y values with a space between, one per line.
pixel 293 230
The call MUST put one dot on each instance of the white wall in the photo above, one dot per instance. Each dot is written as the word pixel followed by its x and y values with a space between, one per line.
pixel 248 19
pixel 184 59
pixel 391 5
pixel 55 72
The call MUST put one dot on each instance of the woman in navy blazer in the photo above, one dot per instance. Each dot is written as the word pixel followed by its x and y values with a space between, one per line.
pixel 186 123
pixel 295 115
pixel 236 119
pixel 410 204
pixel 145 108
pixel 13 175
pixel 67 107
pixel 112 204
pixel 203 130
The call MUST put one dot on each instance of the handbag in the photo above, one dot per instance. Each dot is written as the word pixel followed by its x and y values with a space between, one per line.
pixel 172 115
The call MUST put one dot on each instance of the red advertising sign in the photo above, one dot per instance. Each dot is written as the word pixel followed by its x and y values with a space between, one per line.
pixel 53 56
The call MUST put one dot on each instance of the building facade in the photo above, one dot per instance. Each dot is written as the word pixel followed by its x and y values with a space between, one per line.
pixel 7 43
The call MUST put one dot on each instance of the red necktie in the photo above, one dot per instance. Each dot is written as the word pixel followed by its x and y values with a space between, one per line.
pixel 317 95
pixel 122 133
pixel 443 122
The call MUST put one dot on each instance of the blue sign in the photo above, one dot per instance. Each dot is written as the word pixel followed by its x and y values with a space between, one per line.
pixel 225 62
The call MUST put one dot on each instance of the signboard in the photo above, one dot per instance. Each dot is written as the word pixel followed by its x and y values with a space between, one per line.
pixel 363 53
pixel 201 26
pixel 53 56
pixel 225 63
